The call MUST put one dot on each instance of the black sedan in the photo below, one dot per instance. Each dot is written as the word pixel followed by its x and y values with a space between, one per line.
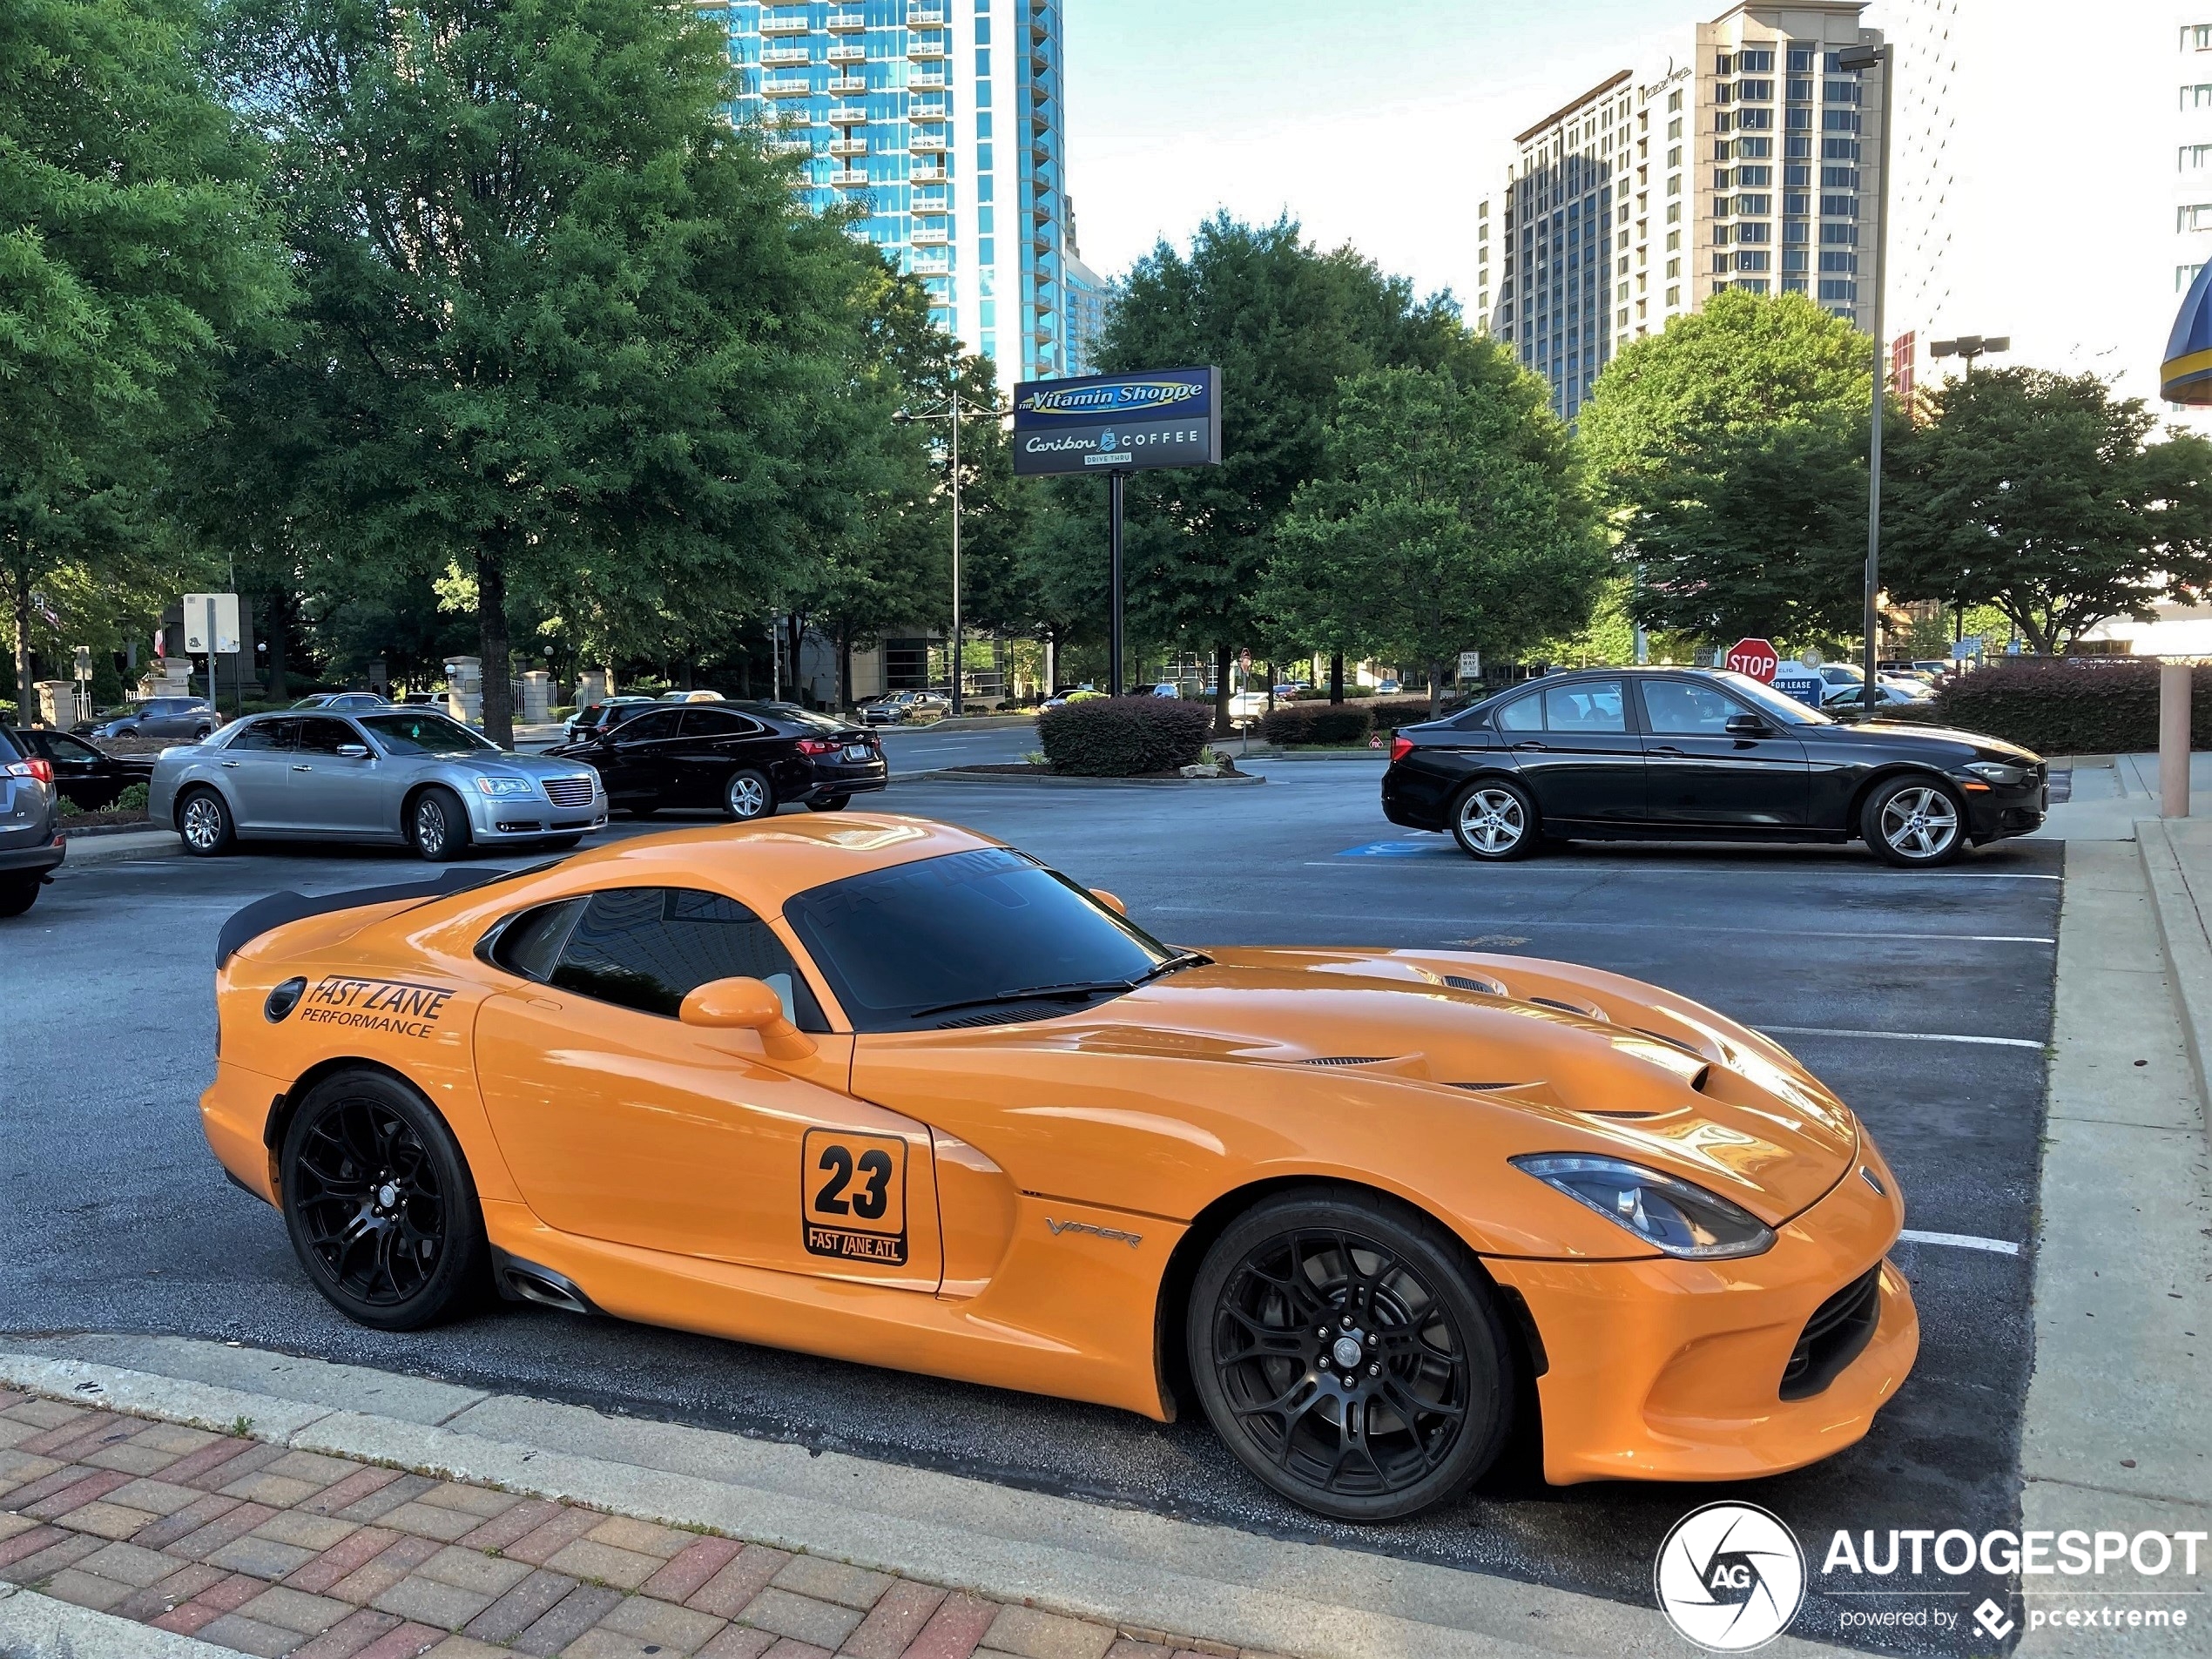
pixel 747 759
pixel 1701 755
pixel 86 775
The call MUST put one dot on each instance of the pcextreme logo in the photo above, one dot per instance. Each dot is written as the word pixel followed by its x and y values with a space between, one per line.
pixel 1730 1577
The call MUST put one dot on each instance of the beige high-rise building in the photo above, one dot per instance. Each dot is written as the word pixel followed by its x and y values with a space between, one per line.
pixel 1748 158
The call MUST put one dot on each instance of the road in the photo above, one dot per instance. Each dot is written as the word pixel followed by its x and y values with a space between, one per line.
pixel 112 1216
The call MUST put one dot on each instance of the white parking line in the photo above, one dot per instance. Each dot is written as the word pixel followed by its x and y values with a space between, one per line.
pixel 1897 1037
pixel 1731 870
pixel 1961 1241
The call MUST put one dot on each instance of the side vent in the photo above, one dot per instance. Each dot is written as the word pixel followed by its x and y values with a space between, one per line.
pixel 522 1281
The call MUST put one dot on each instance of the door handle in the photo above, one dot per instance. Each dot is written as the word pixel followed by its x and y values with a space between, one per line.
pixel 303 769
pixel 234 765
pixel 544 1002
pixel 1531 743
pixel 1666 749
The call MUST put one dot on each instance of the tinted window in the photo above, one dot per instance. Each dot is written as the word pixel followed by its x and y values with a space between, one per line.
pixel 968 925
pixel 324 736
pixel 1588 705
pixel 9 749
pixel 425 734
pixel 650 726
pixel 530 944
pixel 649 947
pixel 1522 714
pixel 1675 708
pixel 63 748
pixel 266 734
pixel 1780 708
pixel 716 723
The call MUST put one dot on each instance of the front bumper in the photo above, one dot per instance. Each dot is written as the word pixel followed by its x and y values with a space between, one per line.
pixel 495 821
pixel 1993 813
pixel 1666 1370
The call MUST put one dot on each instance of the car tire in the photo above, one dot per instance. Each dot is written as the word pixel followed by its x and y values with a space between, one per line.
pixel 200 734
pixel 17 896
pixel 1494 820
pixel 437 825
pixel 1279 1302
pixel 749 795
pixel 1916 821
pixel 205 824
pixel 834 804
pixel 380 1204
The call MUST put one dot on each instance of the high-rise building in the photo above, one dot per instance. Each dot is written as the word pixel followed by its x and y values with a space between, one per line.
pixel 1088 293
pixel 940 120
pixel 1748 159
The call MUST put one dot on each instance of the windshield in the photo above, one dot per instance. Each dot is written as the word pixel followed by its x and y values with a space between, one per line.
pixel 900 947
pixel 1786 711
pixel 425 734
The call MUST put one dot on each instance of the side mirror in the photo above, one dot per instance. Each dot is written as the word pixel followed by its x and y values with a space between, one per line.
pixel 743 1004
pixel 1109 900
pixel 354 751
pixel 1745 726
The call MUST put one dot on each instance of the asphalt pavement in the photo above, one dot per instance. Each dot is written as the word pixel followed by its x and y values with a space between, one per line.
pixel 1924 997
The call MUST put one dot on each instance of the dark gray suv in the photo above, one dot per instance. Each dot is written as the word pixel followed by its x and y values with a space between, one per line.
pixel 30 841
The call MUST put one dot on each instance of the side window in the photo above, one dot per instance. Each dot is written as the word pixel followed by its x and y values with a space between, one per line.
pixel 648 727
pixel 1675 708
pixel 1522 714
pixel 530 944
pixel 716 723
pixel 649 947
pixel 1591 706
pixel 266 734
pixel 324 736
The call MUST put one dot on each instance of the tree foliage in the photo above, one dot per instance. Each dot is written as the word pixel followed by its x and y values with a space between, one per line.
pixel 1450 516
pixel 2042 495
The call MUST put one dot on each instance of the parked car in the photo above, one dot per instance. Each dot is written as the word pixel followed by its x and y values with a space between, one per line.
pixel 690 697
pixel 610 711
pixel 904 708
pixel 31 837
pixel 345 702
pixel 747 759
pixel 1060 699
pixel 1890 693
pixel 401 775
pixel 1388 688
pixel 1167 688
pixel 1706 755
pixel 191 717
pixel 86 776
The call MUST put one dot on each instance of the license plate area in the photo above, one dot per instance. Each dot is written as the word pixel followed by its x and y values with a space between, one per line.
pixel 859 751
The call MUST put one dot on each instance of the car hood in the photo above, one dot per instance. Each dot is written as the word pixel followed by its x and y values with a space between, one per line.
pixel 1594 1061
pixel 552 764
pixel 1910 735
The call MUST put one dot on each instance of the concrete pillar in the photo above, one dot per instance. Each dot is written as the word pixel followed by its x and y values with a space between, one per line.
pixel 465 690
pixel 56 704
pixel 593 686
pixel 2173 687
pixel 538 696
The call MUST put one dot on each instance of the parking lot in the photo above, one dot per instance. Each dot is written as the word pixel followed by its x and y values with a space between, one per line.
pixel 1923 997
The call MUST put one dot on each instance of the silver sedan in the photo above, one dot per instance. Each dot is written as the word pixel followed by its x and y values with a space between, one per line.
pixel 404 775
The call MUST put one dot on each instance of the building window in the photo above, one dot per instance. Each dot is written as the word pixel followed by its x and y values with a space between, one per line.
pixel 2198 97
pixel 1795 230
pixel 1847 150
pixel 1720 235
pixel 1674 240
pixel 1799 118
pixel 1674 188
pixel 1839 235
pixel 2197 37
pixel 1840 120
pixel 1758 203
pixel 1796 201
pixel 1755 91
pixel 1755 120
pixel 1846 264
pixel 1798 91
pixel 1674 296
pixel 1673 268
pixel 1798 146
pixel 2195 157
pixel 1760 148
pixel 1839 207
pixel 2197 216
pixel 1839 288
pixel 1800 60
pixel 1674 101
pixel 1793 285
pixel 1724 122
pixel 2185 274
pixel 1838 179
pixel 1754 232
pixel 1755 177
pixel 1759 61
pixel 1797 258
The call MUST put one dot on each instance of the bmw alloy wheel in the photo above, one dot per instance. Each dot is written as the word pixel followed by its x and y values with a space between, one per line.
pixel 1920 823
pixel 1492 821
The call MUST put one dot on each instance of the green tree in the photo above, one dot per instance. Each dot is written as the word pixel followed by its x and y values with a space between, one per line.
pixel 1285 322
pixel 572 335
pixel 1451 517
pixel 133 246
pixel 1729 451
pixel 2042 495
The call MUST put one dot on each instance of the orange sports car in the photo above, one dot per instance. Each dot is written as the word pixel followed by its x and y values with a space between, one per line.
pixel 891 1091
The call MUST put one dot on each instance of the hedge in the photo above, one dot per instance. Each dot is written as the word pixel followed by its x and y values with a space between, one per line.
pixel 2081 707
pixel 1331 726
pixel 1124 737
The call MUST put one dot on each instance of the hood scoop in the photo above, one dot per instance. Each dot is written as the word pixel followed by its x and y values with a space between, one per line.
pixel 1345 1060
pixel 1487 987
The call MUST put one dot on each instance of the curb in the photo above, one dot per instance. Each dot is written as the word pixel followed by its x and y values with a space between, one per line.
pixel 2179 912
pixel 1323 754
pixel 39 1626
pixel 1131 1568
pixel 114 848
pixel 955 775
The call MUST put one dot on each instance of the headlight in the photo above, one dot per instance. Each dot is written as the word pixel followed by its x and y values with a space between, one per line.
pixel 1670 1216
pixel 1995 772
pixel 505 788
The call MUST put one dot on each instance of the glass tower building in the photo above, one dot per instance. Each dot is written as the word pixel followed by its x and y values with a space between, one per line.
pixel 940 120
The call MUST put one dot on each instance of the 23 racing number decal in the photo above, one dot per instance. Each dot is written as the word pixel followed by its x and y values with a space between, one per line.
pixel 853 1196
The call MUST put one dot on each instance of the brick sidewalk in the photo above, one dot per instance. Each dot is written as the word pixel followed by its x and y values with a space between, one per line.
pixel 270 1551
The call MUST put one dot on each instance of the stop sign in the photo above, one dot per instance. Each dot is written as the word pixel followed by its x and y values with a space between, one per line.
pixel 1756 658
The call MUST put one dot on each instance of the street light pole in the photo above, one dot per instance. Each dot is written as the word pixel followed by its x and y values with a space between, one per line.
pixel 1967 348
pixel 959 641
pixel 1861 58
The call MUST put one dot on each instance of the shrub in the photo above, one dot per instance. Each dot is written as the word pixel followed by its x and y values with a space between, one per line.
pixel 132 800
pixel 1329 724
pixel 2071 708
pixel 1394 711
pixel 1124 737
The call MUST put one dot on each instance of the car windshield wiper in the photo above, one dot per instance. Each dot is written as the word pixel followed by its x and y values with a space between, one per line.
pixel 1074 988
pixel 1181 958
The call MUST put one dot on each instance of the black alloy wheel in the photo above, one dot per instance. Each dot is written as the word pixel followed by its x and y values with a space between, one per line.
pixel 205 824
pixel 379 1202
pixel 1916 821
pixel 18 895
pixel 833 804
pixel 1347 1352
pixel 437 825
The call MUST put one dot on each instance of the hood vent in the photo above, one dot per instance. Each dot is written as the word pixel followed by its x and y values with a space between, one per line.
pixel 1488 1088
pixel 1660 1037
pixel 1345 1060
pixel 1569 1008
pixel 1002 1017
pixel 1461 982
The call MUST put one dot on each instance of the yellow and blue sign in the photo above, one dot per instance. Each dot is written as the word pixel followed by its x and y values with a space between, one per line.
pixel 1116 423
pixel 2186 376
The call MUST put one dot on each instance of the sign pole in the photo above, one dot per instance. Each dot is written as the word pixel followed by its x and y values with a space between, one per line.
pixel 958 653
pixel 1114 482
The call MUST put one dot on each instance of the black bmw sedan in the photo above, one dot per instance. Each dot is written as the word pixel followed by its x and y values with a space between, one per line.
pixel 1697 754
pixel 746 758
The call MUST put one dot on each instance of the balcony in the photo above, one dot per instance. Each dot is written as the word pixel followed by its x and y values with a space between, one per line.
pixel 935 175
pixel 785 25
pixel 934 265
pixel 931 236
pixel 791 146
pixel 847 115
pixel 925 17
pixel 926 144
pixel 927 80
pixel 848 83
pixel 784 55
pixel 926 51
pixel 848 146
pixel 848 52
pixel 849 176
pixel 787 88
pixel 936 109
pixel 847 22
pixel 938 203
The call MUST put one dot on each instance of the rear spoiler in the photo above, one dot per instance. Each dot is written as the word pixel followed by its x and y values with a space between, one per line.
pixel 264 914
